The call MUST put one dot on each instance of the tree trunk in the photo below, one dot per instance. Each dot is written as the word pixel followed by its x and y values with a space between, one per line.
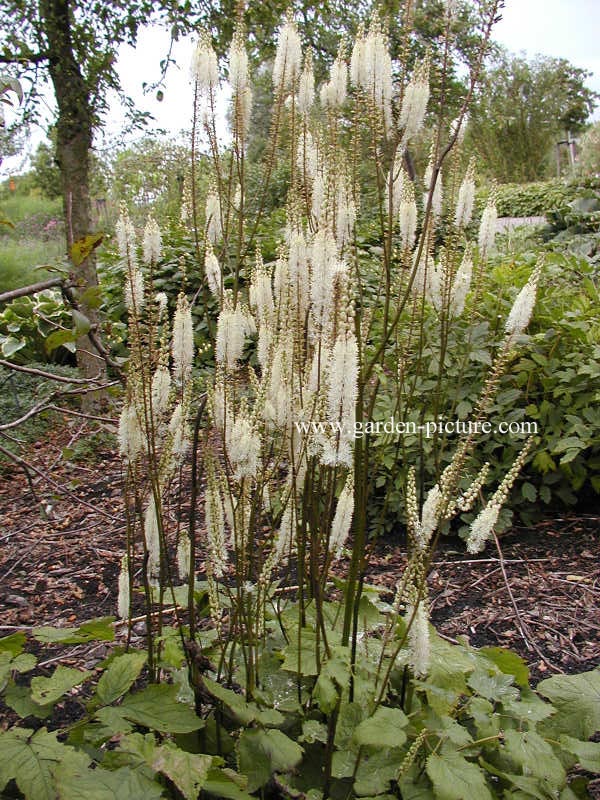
pixel 73 142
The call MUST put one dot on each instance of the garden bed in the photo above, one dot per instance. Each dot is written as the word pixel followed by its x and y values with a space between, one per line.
pixel 59 562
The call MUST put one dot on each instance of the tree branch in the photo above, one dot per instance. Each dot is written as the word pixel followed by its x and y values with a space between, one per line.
pixel 6 297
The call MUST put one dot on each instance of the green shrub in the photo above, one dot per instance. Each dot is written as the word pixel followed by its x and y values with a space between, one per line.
pixel 531 199
pixel 553 384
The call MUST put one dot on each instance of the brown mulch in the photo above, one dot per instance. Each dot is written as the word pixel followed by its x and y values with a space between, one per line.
pixel 59 561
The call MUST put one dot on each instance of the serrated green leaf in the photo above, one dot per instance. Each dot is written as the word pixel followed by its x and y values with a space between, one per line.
pixel 29 757
pixel 535 756
pixel 49 690
pixel 588 753
pixel 262 753
pixel 383 729
pixel 313 731
pixel 119 676
pixel 455 778
pixel 75 782
pixel 376 771
pixel 157 708
pixel 577 699
pixel 188 771
pixel 492 686
pixel 19 699
pixel 302 661
pixel 508 662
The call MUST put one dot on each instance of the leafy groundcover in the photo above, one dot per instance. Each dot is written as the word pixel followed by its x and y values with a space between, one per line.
pixel 473 729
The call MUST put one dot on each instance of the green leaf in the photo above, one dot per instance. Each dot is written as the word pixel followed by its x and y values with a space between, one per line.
pixel 76 782
pixel 188 771
pixel 23 662
pixel 261 753
pixel 81 249
pixel 383 729
pixel 49 690
pixel 534 756
pixel 225 783
pixel 493 686
pixel 19 699
pixel 59 338
pixel 455 778
pixel 241 710
pixel 29 758
pixel 302 661
pixel 81 324
pixel 509 663
pixel 11 345
pixel 157 708
pixel 376 771
pixel 119 676
pixel 529 491
pixel 577 698
pixel 313 731
pixel 588 753
pixel 100 629
pixel 13 644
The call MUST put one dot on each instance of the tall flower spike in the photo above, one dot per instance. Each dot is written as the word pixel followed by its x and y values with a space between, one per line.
pixel 430 515
pixel 130 435
pixel 418 639
pixel 522 309
pixel 414 102
pixel 182 345
pixel 357 59
pixel 238 62
pixel 333 93
pixel 215 524
pixel 124 590
pixel 243 445
pixel 152 538
pixel 233 325
pixel 212 270
pixel 488 225
pixel 466 197
pixel 205 67
pixel 152 244
pixel 214 228
pixel 408 215
pixel 161 387
pixel 134 280
pixel 343 384
pixel 483 525
pixel 462 284
pixel 261 292
pixel 342 521
pixel 288 56
pixel 306 88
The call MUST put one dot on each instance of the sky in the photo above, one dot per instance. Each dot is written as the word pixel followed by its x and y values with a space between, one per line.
pixel 562 28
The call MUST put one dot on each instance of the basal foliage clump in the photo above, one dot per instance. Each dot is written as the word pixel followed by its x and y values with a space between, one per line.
pixel 307 686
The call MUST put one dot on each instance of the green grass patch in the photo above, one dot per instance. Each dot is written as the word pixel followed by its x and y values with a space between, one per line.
pixel 20 261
